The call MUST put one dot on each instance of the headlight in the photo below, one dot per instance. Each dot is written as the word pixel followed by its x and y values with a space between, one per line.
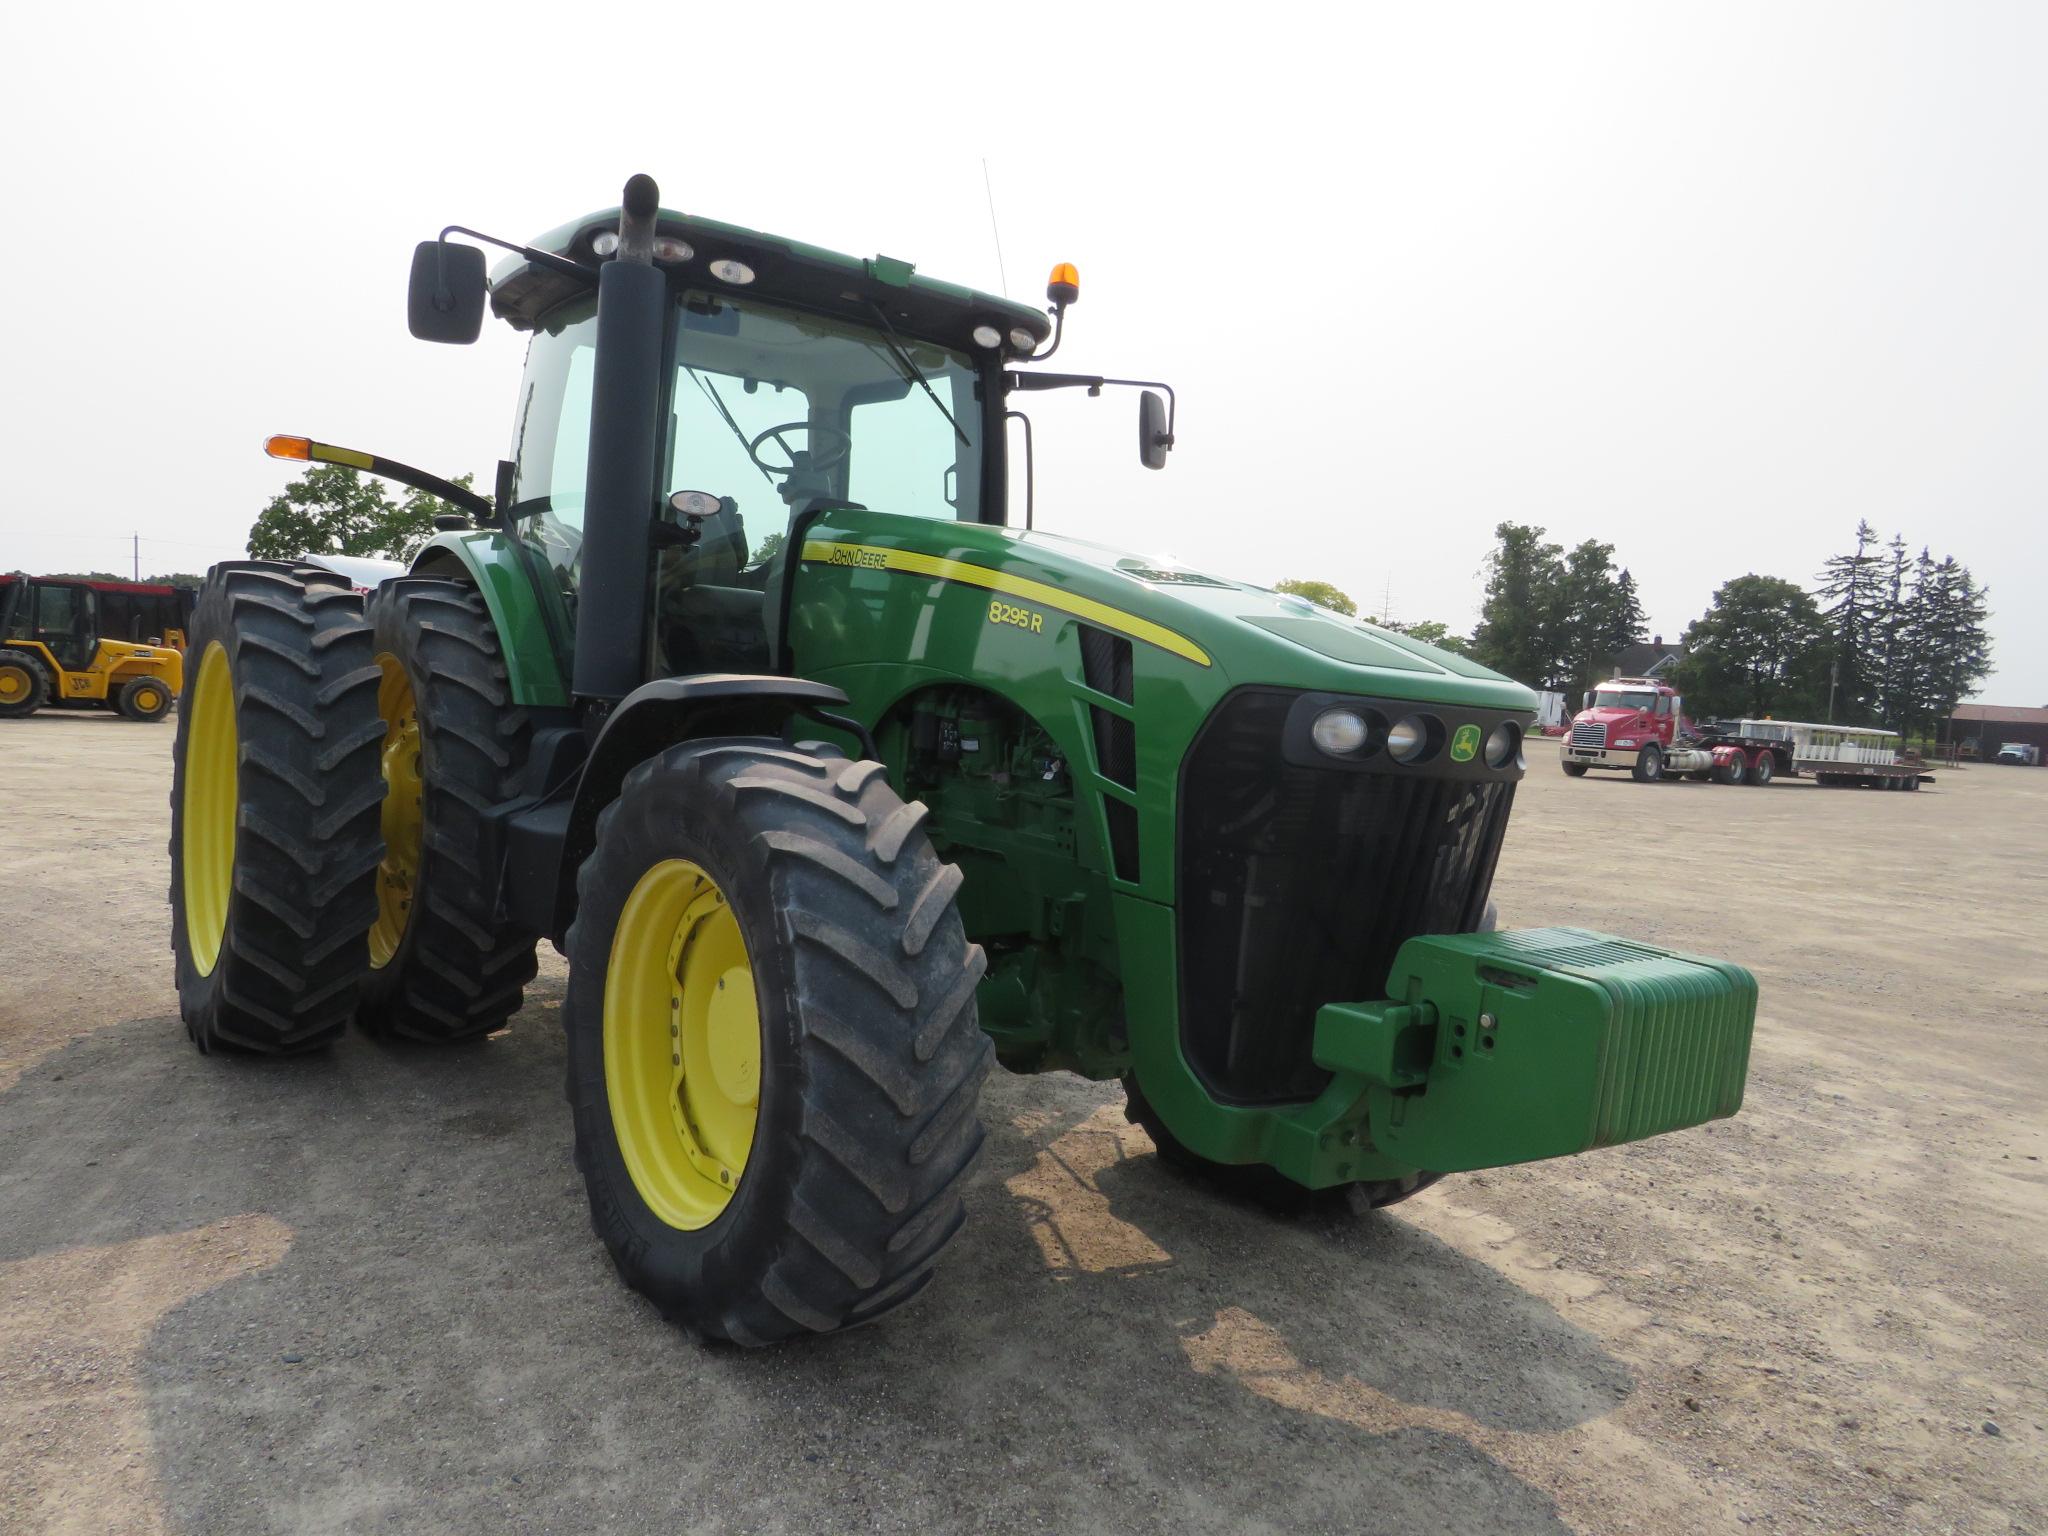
pixel 1502 745
pixel 1625 741
pixel 1408 739
pixel 1339 732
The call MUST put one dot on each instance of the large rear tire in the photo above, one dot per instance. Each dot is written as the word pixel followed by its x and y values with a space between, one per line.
pixel 443 966
pixel 774 1059
pixel 274 798
pixel 24 683
pixel 1763 770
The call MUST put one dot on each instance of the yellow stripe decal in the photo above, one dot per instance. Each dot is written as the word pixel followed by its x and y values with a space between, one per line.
pixel 873 557
pixel 326 453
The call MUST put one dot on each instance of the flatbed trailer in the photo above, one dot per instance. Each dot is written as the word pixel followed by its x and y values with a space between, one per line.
pixel 1833 756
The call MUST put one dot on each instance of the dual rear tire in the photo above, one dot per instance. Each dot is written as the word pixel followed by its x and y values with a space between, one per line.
pixel 298 704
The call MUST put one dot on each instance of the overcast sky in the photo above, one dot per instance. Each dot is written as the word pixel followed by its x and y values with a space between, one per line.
pixel 1708 282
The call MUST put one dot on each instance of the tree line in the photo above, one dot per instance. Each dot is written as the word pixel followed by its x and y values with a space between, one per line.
pixel 1884 637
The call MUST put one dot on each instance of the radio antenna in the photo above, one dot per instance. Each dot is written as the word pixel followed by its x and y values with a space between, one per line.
pixel 995 229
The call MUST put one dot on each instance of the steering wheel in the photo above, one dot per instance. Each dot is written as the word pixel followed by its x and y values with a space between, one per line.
pixel 837 445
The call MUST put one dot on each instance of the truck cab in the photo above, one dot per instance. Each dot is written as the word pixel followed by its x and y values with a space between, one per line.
pixel 1628 722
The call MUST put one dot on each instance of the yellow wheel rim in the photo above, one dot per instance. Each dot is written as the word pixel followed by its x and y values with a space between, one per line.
pixel 149 700
pixel 208 830
pixel 14 682
pixel 682 1044
pixel 398 874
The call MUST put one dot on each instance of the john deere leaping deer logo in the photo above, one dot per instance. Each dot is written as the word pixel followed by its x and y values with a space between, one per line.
pixel 1464 743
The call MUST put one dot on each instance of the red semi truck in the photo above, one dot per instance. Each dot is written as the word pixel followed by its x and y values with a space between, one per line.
pixel 1639 723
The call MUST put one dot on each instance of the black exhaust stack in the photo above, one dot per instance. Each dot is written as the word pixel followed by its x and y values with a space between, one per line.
pixel 621 497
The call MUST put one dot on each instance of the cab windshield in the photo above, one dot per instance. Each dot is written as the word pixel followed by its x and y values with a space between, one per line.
pixel 772 410
pixel 1624 698
pixel 772 413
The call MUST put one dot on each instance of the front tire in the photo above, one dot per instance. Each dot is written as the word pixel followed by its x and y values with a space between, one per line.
pixel 1574 770
pixel 443 967
pixel 24 683
pixel 1649 765
pixel 145 698
pixel 774 1058
pixel 274 798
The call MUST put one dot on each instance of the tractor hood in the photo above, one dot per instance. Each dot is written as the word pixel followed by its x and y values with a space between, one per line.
pixel 1231 633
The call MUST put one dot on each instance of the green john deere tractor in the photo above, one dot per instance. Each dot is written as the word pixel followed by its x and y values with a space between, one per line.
pixel 835 785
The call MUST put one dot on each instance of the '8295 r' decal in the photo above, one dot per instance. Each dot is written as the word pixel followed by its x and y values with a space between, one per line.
pixel 1000 612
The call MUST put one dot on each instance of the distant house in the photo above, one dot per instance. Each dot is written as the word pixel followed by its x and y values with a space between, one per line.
pixel 1984 728
pixel 1647 658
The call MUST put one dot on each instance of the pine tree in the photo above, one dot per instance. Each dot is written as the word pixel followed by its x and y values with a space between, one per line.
pixel 1629 608
pixel 1958 645
pixel 1892 654
pixel 1849 597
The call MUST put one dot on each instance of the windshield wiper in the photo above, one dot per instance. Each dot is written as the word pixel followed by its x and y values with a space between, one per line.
pixel 912 374
pixel 711 390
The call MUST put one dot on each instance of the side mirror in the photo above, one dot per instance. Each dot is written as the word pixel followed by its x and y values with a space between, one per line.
pixel 1153 438
pixel 445 301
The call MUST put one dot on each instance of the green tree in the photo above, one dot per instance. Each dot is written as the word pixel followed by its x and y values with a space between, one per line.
pixel 1321 593
pixel 1430 632
pixel 1596 613
pixel 1762 648
pixel 1955 643
pixel 1852 601
pixel 332 509
pixel 1518 618
pixel 770 546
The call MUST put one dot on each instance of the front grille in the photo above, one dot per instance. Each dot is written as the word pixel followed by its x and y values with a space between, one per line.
pixel 1298 885
pixel 1590 733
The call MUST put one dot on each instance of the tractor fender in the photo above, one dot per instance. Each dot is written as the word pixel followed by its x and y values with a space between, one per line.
pixel 651 719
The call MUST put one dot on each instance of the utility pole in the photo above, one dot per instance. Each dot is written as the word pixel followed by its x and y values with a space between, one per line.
pixel 135 552
pixel 1834 677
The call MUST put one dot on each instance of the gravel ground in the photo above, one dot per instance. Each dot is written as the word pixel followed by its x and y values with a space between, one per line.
pixel 359 1292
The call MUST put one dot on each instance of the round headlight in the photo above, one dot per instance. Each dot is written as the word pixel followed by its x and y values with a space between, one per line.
pixel 604 242
pixel 669 248
pixel 1407 739
pixel 987 336
pixel 726 270
pixel 1023 341
pixel 1339 732
pixel 1502 745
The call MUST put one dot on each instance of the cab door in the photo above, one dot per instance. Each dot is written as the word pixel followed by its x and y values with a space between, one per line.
pixel 67 621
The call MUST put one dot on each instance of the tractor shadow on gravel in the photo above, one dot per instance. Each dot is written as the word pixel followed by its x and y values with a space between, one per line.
pixel 443 1343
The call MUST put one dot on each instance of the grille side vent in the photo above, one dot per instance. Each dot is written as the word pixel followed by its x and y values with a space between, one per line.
pixel 1106 662
pixel 1123 837
pixel 1116 747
